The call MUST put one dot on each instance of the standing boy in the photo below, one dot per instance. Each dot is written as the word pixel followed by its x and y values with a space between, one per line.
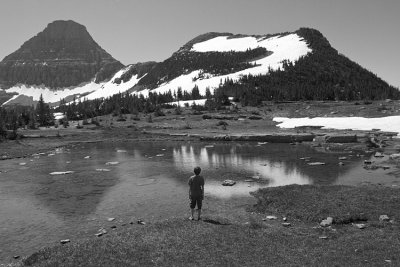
pixel 196 192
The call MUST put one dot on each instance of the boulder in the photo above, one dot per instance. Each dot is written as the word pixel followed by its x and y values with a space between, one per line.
pixel 384 218
pixel 270 217
pixel 316 163
pixel 228 183
pixel 359 225
pixel 395 156
pixel 327 222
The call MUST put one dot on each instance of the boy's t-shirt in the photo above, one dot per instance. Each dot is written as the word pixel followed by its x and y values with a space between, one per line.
pixel 196 182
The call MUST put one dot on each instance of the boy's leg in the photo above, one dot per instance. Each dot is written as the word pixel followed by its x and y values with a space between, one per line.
pixel 192 206
pixel 199 204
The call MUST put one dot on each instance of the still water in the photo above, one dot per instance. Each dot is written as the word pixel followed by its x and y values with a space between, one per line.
pixel 132 180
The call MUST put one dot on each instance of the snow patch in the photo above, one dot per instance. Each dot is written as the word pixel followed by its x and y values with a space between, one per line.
pixel 390 123
pixel 289 47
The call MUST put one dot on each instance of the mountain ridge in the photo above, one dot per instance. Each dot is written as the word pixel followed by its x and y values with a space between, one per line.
pixel 235 64
pixel 63 54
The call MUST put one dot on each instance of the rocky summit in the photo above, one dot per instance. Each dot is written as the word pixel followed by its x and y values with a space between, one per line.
pixel 62 55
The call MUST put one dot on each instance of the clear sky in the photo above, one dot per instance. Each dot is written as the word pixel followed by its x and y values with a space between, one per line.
pixel 366 31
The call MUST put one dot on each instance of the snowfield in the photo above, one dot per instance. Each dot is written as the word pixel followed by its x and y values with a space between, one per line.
pixel 90 90
pixel 390 123
pixel 289 47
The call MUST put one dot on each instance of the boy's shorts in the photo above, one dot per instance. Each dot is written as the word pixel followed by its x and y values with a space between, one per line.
pixel 194 201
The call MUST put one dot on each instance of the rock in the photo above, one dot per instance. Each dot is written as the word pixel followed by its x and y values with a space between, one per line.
pixel 228 183
pixel 112 163
pixel 256 177
pixel 384 218
pixel 284 219
pixel 61 173
pixel 209 146
pixel 378 155
pixel 342 158
pixel 286 224
pixel 121 151
pixel 323 237
pixel 271 217
pixel 110 219
pixel 65 241
pixel 367 161
pixel 98 234
pixel 316 163
pixel 395 156
pixel 360 225
pixel 22 163
pixel 327 222
pixel 305 158
pixel 249 180
pixel 113 227
pixel 340 163
pixel 16 257
pixel 388 261
pixel 87 157
pixel 160 155
pixel 141 222
pixel 103 170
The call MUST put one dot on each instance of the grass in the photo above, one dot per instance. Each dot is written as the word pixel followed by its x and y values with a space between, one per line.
pixel 178 242
pixel 345 204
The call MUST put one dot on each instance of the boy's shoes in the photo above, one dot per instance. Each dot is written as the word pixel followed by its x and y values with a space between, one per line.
pixel 191 218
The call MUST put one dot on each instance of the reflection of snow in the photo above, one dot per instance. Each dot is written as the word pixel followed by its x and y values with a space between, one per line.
pixel 390 123
pixel 187 157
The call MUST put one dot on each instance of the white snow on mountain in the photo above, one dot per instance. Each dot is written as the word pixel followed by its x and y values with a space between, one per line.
pixel 289 47
pixel 88 91
pixel 390 123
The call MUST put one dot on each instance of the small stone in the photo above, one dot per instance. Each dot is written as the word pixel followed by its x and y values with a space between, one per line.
pixel 228 183
pixel 16 257
pixel 22 163
pixel 110 219
pixel 327 222
pixel 388 261
pixel 378 155
pixel 112 163
pixel 323 237
pixel 87 157
pixel 316 163
pixel 284 219
pixel 384 218
pixel 360 225
pixel 141 222
pixel 98 234
pixel 367 162
pixel 342 158
pixel 286 224
pixel 271 217
pixel 113 227
pixel 65 241
pixel 341 163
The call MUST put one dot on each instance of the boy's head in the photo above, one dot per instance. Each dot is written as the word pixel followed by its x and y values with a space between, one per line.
pixel 197 170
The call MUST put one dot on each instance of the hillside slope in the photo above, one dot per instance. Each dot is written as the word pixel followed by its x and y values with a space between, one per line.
pixel 62 55
pixel 299 65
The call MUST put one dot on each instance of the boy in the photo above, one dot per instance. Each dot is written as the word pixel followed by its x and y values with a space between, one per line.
pixel 196 192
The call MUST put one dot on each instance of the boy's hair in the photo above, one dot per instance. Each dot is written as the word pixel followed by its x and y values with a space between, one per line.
pixel 197 170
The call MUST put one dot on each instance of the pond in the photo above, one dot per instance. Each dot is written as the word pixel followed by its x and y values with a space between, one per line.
pixel 132 180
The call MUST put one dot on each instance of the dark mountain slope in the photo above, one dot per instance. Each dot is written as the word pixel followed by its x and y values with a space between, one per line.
pixel 63 54
pixel 323 74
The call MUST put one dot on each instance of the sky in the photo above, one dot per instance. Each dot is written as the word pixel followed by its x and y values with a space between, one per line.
pixel 366 31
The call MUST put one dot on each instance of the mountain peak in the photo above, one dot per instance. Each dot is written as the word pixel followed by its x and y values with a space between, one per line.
pixel 65 46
